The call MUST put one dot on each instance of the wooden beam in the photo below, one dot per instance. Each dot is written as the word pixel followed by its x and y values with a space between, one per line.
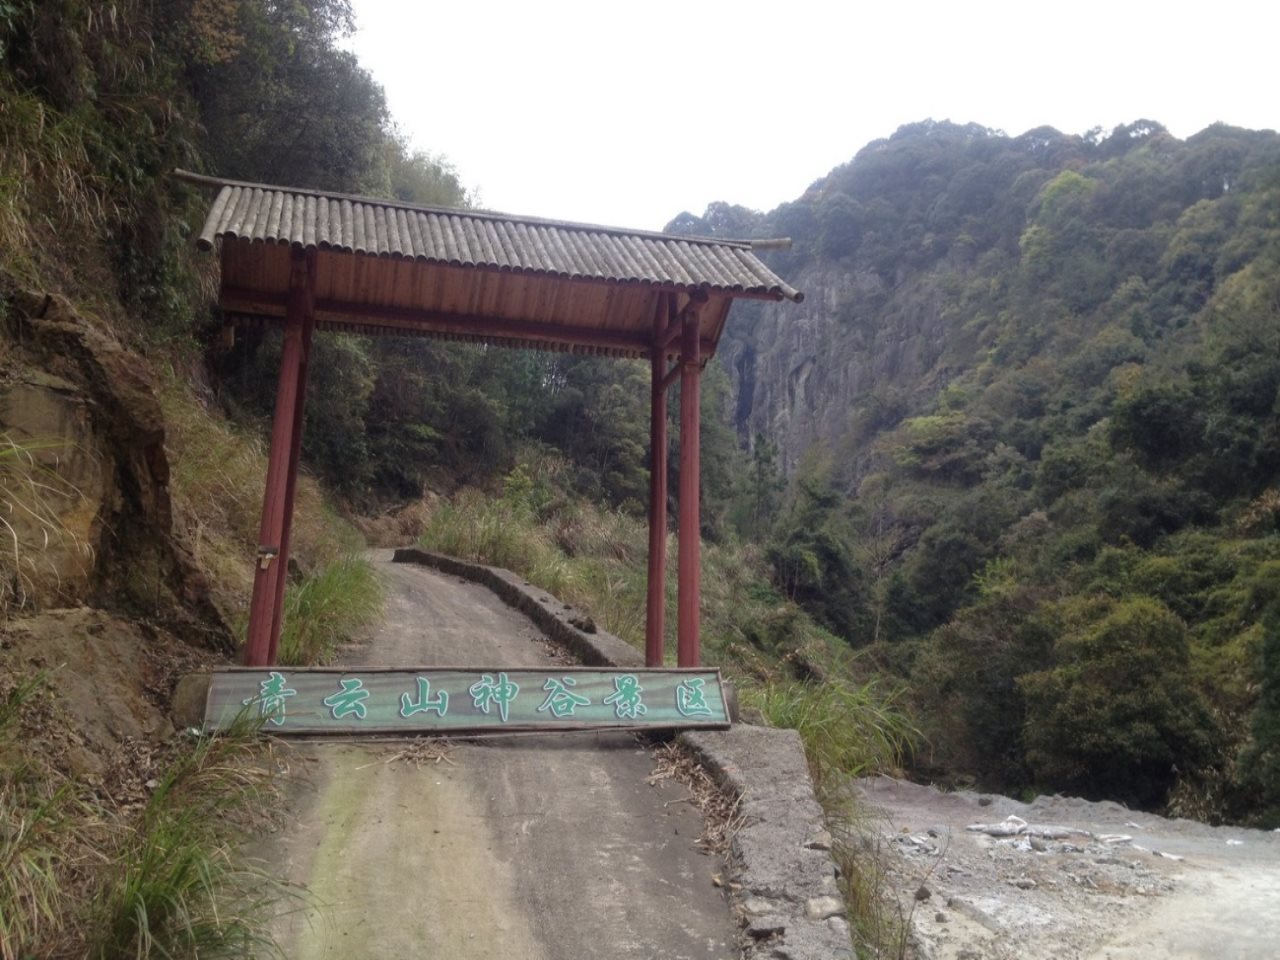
pixel 394 319
pixel 670 377
pixel 667 325
pixel 235 300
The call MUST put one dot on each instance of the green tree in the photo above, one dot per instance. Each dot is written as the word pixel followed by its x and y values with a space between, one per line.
pixel 812 554
pixel 1117 716
pixel 1260 763
pixel 762 489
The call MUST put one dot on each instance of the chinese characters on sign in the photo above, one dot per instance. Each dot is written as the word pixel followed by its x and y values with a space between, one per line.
pixel 501 691
pixel 319 700
pixel 271 698
pixel 440 703
pixel 562 701
pixel 626 696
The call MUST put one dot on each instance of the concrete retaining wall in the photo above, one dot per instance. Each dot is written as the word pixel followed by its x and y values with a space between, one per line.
pixel 784 879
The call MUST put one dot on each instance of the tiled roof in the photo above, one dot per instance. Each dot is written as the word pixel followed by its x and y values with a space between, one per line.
pixel 467 238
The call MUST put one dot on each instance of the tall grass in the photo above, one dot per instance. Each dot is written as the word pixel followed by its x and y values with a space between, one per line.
pixel 45 168
pixel 327 608
pixel 37 815
pixel 849 729
pixel 179 887
pixel 217 480
pixel 33 499
pixel 506 532
pixel 217 475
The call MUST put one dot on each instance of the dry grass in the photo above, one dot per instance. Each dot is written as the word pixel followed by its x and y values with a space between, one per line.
pixel 878 922
pixel 218 472
pixel 33 500
pixel 424 751
pixel 719 808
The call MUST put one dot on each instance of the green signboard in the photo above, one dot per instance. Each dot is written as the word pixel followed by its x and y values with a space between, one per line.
pixel 354 700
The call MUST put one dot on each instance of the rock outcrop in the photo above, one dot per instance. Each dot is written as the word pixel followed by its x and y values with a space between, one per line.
pixel 802 372
pixel 86 511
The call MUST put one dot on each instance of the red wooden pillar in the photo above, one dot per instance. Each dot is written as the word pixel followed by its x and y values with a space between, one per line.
pixel 295 455
pixel 656 611
pixel 690 573
pixel 286 438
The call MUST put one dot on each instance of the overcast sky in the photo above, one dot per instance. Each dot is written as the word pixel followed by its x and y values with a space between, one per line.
pixel 628 113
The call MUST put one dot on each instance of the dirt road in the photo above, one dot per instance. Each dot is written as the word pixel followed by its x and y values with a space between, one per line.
pixel 550 847
pixel 1067 879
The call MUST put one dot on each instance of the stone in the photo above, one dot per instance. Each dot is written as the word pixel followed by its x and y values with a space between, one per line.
pixel 189 699
pixel 818 840
pixel 923 893
pixel 759 907
pixel 821 908
pixel 761 928
pixel 79 387
pixel 583 623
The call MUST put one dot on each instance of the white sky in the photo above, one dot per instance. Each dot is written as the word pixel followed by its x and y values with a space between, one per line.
pixel 627 114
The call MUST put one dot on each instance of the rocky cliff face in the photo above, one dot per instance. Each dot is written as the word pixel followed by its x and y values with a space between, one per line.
pixel 802 373
pixel 85 515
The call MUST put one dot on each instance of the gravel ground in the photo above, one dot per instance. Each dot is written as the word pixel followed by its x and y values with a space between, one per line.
pixel 1066 878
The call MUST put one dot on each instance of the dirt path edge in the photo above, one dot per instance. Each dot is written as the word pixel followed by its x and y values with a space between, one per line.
pixel 783 879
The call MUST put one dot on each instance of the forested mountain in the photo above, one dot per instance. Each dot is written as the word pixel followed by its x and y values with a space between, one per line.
pixel 1030 415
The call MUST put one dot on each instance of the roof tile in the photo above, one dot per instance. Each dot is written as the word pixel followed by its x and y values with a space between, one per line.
pixel 477 239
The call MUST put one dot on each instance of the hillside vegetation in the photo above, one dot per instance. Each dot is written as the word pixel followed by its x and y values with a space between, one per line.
pixel 1051 500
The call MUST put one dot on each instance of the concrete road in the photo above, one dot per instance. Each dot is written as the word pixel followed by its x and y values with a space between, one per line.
pixel 547 847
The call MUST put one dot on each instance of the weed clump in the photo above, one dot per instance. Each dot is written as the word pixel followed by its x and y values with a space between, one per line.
pixel 328 607
pixel 848 729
